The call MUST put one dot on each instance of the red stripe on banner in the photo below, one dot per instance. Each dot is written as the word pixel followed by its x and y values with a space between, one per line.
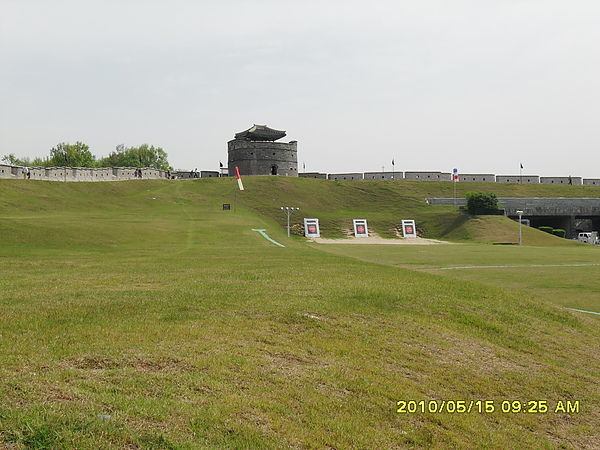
pixel 239 179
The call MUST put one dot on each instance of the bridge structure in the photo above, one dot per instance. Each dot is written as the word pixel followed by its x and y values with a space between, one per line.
pixel 569 214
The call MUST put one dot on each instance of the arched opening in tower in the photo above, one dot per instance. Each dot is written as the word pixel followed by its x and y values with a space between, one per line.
pixel 273 169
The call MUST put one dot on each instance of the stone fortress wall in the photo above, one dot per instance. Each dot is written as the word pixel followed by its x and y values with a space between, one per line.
pixel 84 173
pixel 447 176
pixel 129 173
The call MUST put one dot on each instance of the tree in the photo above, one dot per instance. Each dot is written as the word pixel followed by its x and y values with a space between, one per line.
pixel 14 161
pixel 480 203
pixel 72 155
pixel 143 156
pixel 79 155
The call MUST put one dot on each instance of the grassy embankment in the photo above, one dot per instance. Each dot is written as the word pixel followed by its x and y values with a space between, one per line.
pixel 141 315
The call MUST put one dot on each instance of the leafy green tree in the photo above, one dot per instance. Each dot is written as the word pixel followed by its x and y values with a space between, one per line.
pixel 480 203
pixel 79 155
pixel 14 161
pixel 40 162
pixel 143 156
pixel 72 155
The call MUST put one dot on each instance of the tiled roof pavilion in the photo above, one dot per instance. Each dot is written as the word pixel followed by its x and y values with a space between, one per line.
pixel 260 133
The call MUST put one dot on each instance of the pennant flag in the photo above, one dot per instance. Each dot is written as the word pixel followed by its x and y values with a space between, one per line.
pixel 220 164
pixel 239 179
pixel 521 165
pixel 392 162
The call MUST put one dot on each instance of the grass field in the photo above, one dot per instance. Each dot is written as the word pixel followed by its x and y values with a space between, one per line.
pixel 141 315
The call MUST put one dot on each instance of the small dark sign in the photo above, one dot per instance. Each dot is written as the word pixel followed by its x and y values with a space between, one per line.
pixel 226 206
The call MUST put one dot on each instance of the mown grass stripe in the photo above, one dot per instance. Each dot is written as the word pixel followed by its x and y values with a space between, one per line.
pixel 513 266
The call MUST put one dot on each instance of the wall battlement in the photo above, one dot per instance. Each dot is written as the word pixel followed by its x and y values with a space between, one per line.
pixel 447 176
pixel 288 154
pixel 82 173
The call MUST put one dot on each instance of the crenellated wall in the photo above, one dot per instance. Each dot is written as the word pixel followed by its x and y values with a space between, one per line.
pixel 383 176
pixel 477 177
pixel 527 179
pixel 591 182
pixel 129 173
pixel 561 180
pixel 427 176
pixel 81 173
pixel 346 176
pixel 463 178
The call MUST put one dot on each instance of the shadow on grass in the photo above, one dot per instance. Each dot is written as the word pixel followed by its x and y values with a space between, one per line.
pixel 456 224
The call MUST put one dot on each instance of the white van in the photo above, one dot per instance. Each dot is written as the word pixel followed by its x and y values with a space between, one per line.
pixel 589 237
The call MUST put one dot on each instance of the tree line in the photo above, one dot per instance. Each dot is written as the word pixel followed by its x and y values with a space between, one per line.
pixel 79 155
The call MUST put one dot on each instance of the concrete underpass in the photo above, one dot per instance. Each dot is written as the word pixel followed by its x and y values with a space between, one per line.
pixel 570 214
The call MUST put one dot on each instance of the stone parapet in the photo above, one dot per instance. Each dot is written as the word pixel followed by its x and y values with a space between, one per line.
pixel 477 177
pixel 591 182
pixel 383 176
pixel 80 173
pixel 428 176
pixel 345 176
pixel 322 176
pixel 526 179
pixel 577 181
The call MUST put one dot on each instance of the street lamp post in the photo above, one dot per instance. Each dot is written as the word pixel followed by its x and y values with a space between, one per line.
pixel 520 213
pixel 288 212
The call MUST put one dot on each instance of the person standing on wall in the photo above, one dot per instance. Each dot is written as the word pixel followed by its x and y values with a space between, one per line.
pixel 25 171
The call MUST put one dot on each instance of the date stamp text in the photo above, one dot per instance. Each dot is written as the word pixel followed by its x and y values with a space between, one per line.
pixel 488 406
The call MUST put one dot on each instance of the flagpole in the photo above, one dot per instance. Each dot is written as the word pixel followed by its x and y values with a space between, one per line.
pixel 521 173
pixel 455 194
pixel 455 179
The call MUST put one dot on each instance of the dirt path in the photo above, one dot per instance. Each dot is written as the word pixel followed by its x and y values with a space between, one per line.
pixel 379 240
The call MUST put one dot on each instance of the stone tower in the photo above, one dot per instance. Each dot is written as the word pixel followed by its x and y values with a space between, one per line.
pixel 255 152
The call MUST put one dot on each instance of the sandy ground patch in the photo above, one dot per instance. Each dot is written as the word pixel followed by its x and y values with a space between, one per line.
pixel 379 240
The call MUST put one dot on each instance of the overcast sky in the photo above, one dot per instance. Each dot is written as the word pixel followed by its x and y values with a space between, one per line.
pixel 481 85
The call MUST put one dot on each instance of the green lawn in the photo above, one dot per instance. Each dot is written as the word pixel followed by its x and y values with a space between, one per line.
pixel 141 315
pixel 563 275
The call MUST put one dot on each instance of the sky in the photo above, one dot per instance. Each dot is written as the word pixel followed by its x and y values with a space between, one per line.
pixel 483 86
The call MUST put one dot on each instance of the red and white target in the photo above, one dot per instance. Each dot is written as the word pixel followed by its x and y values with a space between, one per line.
pixel 360 228
pixel 311 228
